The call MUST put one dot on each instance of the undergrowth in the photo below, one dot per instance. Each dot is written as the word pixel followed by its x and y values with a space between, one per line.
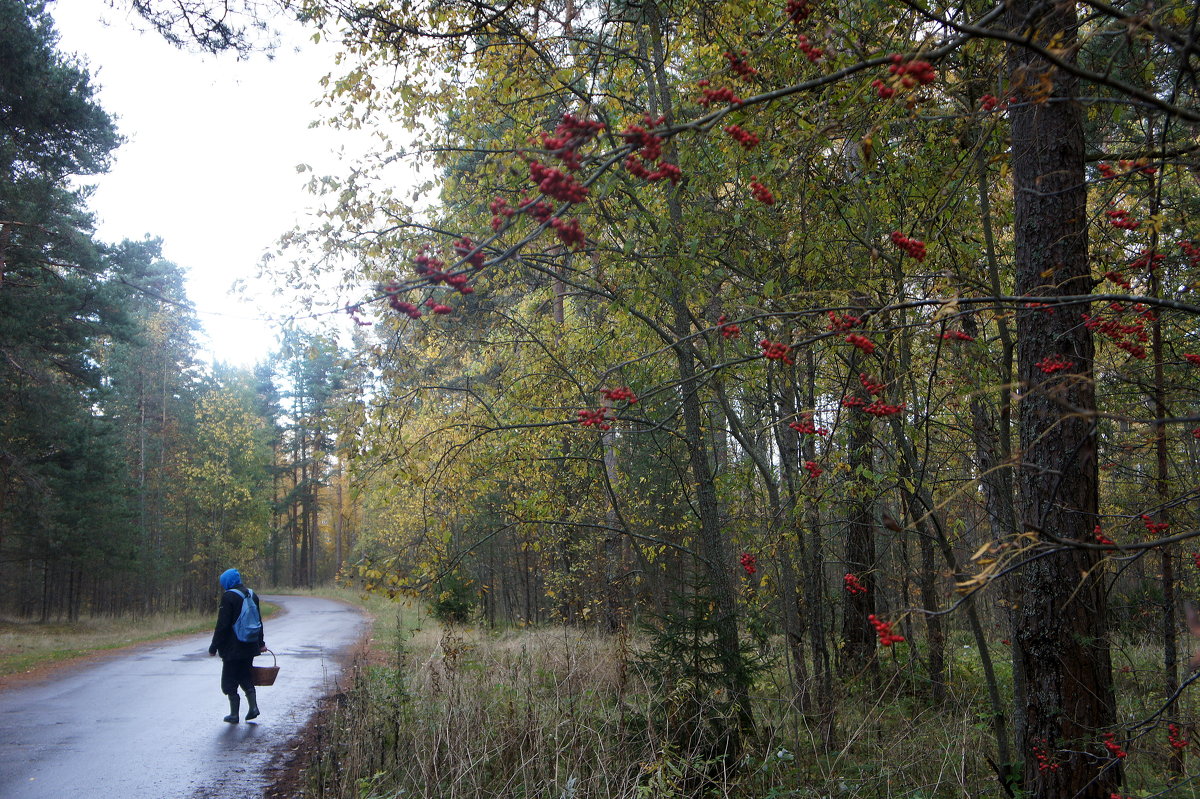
pixel 561 714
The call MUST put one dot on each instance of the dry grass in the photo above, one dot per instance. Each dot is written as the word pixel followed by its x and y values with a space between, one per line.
pixel 562 714
pixel 30 646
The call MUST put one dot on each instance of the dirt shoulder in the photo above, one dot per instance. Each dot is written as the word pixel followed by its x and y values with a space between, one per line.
pixel 287 774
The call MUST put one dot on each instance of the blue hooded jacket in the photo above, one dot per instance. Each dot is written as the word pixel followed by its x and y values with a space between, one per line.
pixel 224 640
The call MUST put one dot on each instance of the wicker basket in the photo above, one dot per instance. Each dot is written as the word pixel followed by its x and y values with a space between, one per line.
pixel 265 675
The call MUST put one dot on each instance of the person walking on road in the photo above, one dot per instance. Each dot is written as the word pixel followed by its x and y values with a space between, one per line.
pixel 238 637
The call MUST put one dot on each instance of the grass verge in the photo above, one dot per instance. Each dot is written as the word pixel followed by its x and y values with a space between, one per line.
pixel 28 647
pixel 557 713
pixel 31 646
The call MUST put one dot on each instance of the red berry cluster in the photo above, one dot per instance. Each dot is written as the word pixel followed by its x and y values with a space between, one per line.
pixel 797 11
pixel 956 335
pixel 813 469
pixel 569 232
pixel 990 102
pixel 1173 738
pixel 862 342
pixel 881 408
pixel 406 308
pixel 557 184
pixel 749 563
pixel 1114 748
pixel 873 388
pixel 739 66
pixel 1132 337
pixel 776 351
pixel 500 211
pixel 429 266
pixel 912 73
pixel 1043 759
pixel 1192 358
pixel 539 210
pixel 726 329
pixel 564 144
pixel 469 251
pixel 354 311
pixel 1106 171
pixel 1054 363
pixel 905 75
pixel 571 134
pixel 437 308
pixel 805 426
pixel 597 418
pixel 1120 218
pixel 1191 252
pixel 1100 537
pixel 761 192
pixel 1148 260
pixel 1140 165
pixel 1044 307
pixel 1154 527
pixel 722 94
pixel 884 631
pixel 913 247
pixel 620 394
pixel 743 137
pixel 1120 279
pixel 648 151
pixel 1196 433
pixel 1196 555
pixel 812 52
pixel 842 322
pixel 852 584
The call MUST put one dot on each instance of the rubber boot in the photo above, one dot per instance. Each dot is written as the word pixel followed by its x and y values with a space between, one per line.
pixel 252 698
pixel 235 702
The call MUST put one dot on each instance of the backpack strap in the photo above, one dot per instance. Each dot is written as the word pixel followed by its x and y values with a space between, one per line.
pixel 239 593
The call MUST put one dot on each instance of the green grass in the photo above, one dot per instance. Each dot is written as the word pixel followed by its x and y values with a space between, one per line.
pixel 28 646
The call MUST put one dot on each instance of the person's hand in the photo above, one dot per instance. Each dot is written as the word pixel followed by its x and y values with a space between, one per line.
pixel 212 651
pixel 262 647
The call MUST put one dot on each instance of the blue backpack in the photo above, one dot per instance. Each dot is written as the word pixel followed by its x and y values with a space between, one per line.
pixel 248 626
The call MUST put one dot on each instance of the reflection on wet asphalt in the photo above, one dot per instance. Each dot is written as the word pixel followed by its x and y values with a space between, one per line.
pixel 147 724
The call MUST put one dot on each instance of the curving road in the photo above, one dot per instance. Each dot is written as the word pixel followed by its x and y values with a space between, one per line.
pixel 147 724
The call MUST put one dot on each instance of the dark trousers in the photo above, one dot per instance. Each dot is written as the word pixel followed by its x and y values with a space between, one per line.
pixel 235 672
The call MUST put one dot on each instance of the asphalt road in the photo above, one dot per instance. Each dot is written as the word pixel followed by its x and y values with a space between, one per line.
pixel 146 724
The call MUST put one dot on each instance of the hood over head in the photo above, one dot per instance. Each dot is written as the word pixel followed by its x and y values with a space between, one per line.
pixel 230 578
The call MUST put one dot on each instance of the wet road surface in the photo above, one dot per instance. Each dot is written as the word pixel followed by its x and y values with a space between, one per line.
pixel 147 724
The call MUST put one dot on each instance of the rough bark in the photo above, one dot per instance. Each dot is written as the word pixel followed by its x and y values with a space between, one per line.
pixel 1061 637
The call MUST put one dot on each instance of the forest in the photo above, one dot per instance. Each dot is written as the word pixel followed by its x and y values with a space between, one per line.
pixel 768 397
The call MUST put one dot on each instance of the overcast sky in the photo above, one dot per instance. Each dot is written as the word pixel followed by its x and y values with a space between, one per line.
pixel 210 160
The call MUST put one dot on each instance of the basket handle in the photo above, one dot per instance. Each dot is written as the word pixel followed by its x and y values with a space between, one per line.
pixel 275 660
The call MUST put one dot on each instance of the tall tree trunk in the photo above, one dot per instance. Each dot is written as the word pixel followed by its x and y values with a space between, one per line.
pixel 858 637
pixel 714 548
pixel 1061 639
pixel 1162 487
pixel 814 582
pixel 996 462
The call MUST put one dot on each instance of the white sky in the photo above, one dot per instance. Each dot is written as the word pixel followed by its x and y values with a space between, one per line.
pixel 210 160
